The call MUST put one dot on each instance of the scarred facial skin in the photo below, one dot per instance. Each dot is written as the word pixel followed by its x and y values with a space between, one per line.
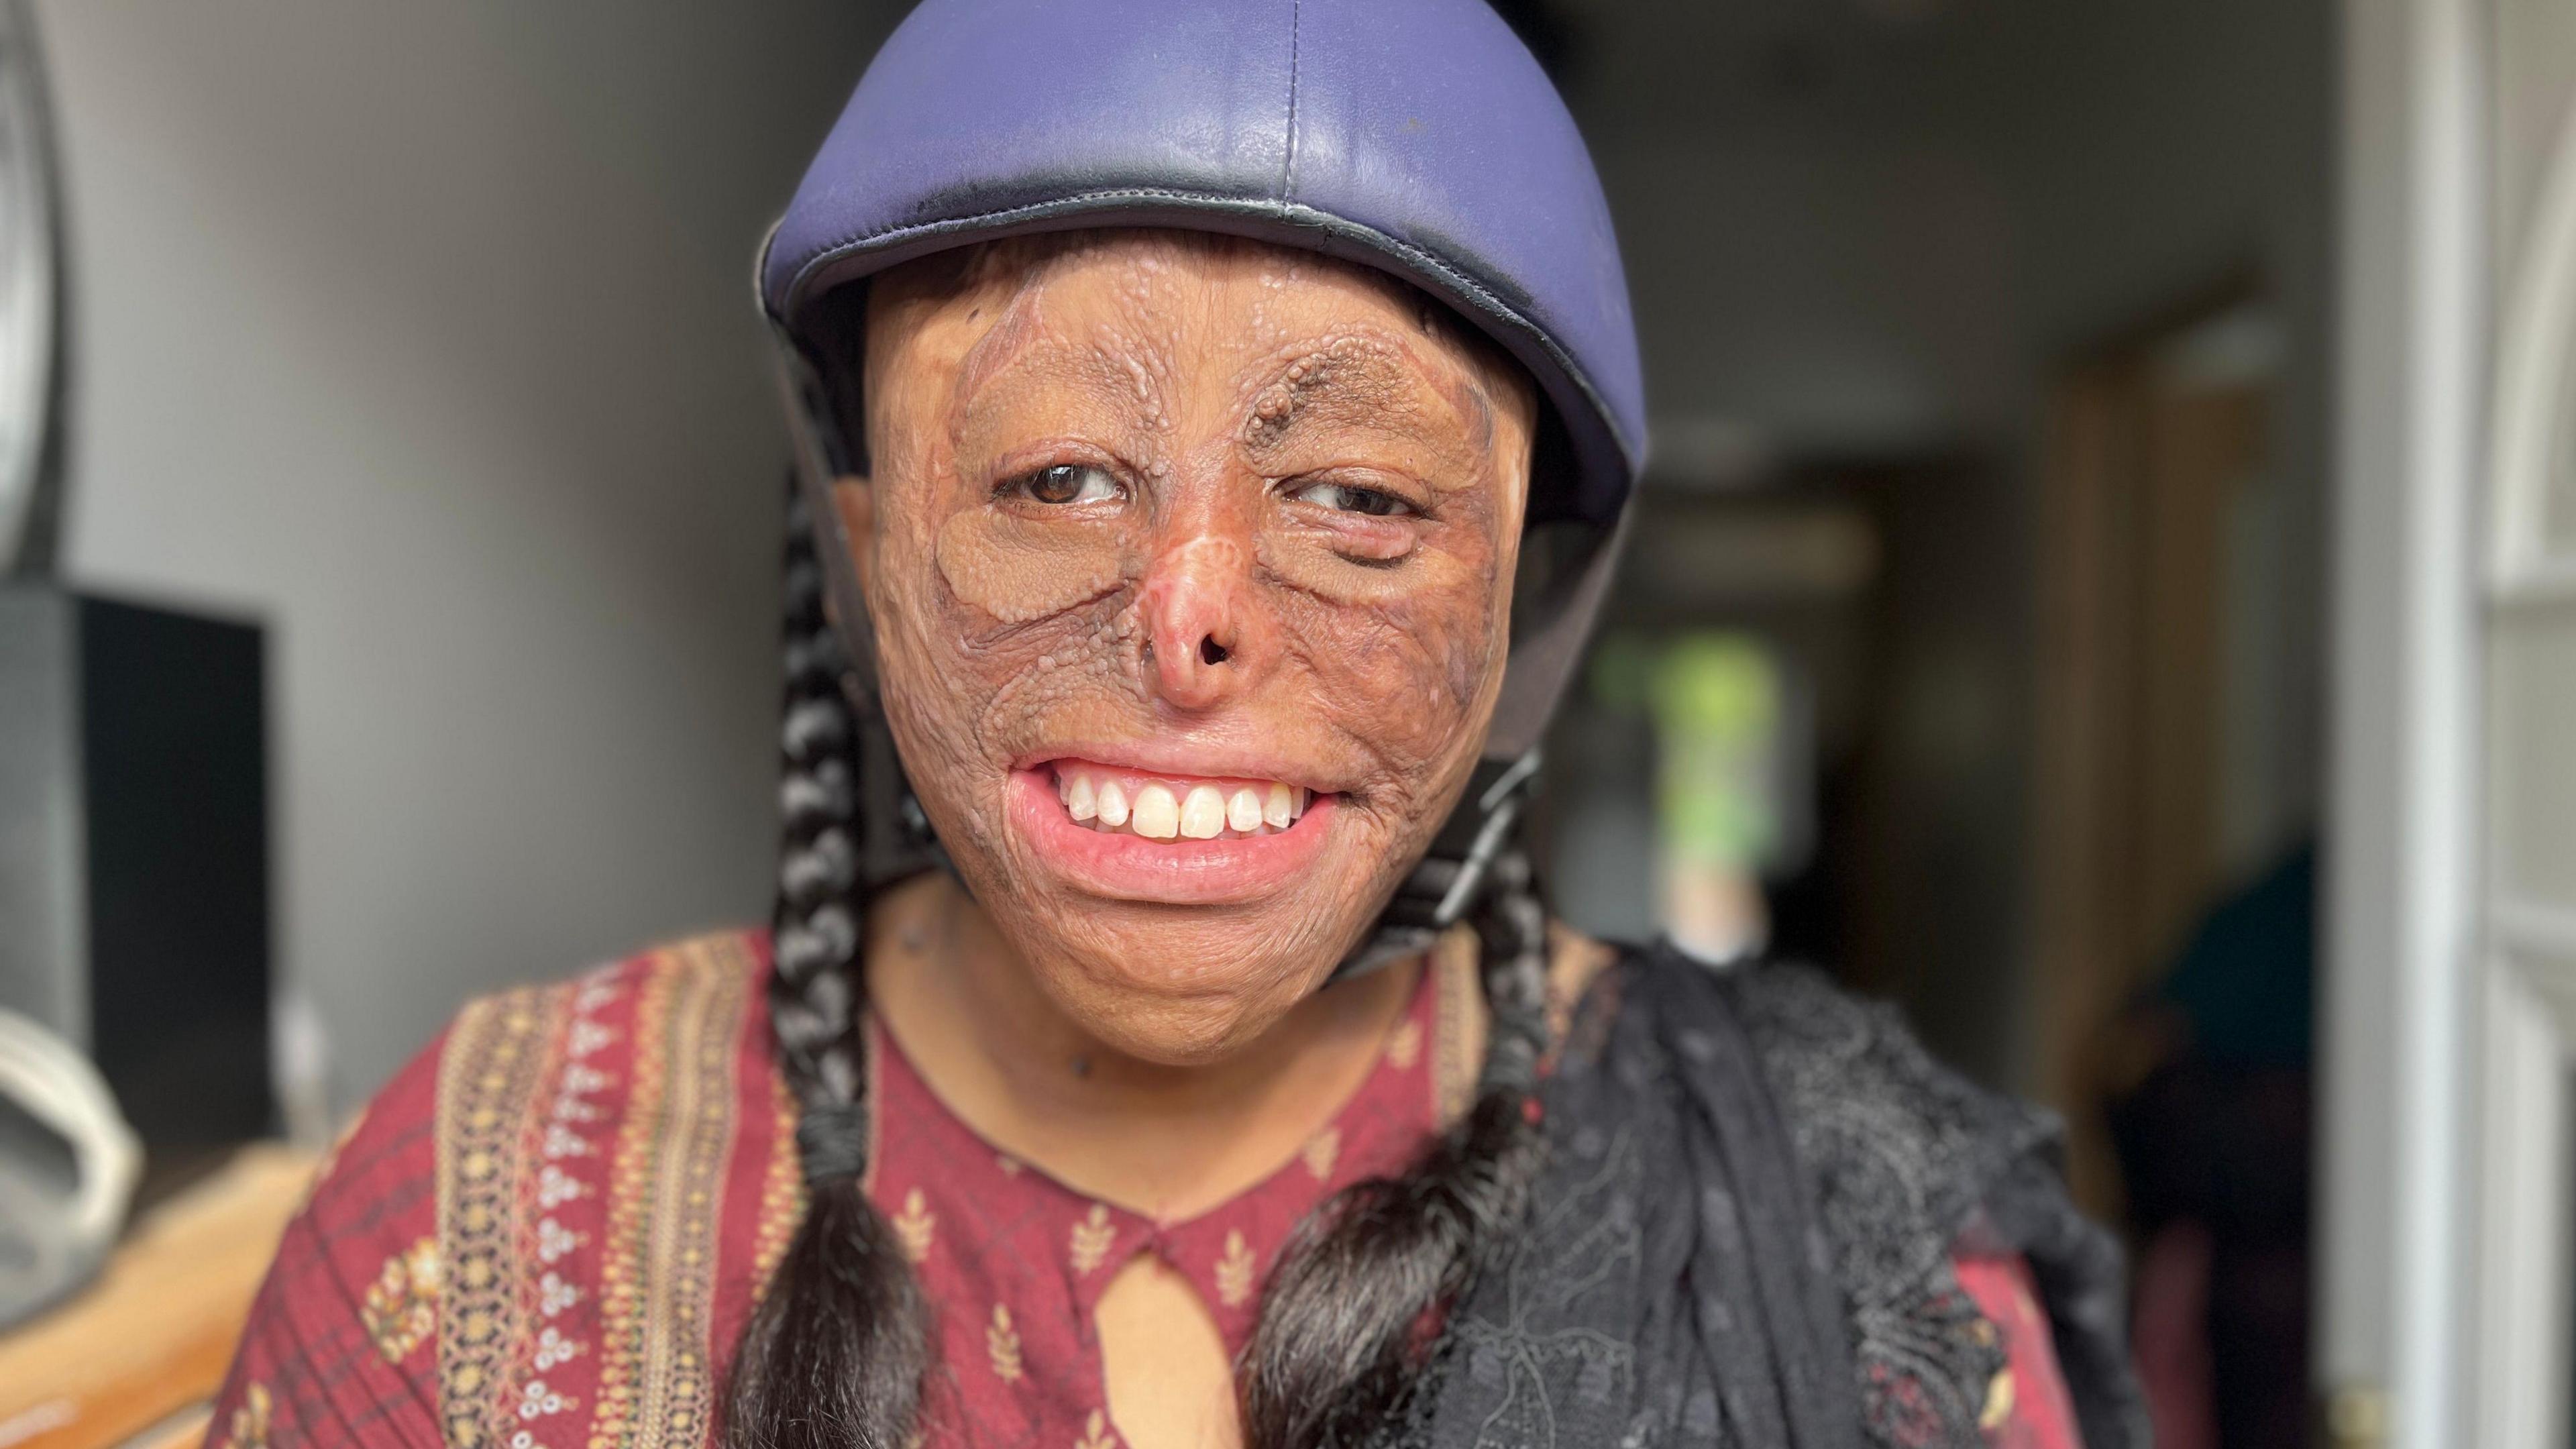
pixel 1176 506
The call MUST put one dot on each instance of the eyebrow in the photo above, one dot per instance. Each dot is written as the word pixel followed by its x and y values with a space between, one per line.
pixel 1019 336
pixel 1362 381
pixel 1019 352
pixel 1013 332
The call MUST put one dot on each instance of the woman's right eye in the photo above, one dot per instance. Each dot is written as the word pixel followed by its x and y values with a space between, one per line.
pixel 1066 483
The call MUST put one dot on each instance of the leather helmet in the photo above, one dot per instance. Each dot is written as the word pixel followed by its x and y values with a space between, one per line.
pixel 1414 136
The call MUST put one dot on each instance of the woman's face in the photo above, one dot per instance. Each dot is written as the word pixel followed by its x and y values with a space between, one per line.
pixel 1189 562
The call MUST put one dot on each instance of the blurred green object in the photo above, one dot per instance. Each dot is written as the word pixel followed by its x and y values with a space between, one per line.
pixel 1716 701
pixel 1623 673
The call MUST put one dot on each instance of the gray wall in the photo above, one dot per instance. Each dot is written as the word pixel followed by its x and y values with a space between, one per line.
pixel 1873 224
pixel 423 332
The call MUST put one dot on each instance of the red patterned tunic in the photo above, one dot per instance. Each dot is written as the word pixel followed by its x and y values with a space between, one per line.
pixel 549 1229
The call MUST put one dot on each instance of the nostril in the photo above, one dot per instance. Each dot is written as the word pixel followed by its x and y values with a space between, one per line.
pixel 1210 651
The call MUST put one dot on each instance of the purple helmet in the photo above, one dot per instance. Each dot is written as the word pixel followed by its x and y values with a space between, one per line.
pixel 1414 136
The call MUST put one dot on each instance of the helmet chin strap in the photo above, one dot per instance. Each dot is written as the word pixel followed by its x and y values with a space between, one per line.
pixel 1443 887
pixel 1450 876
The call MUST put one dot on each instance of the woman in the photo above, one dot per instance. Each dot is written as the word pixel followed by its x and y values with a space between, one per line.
pixel 1217 421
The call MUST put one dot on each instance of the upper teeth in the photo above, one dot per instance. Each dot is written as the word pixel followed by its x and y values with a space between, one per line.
pixel 1161 809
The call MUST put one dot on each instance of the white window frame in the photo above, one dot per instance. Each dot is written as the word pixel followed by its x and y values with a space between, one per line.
pixel 2400 926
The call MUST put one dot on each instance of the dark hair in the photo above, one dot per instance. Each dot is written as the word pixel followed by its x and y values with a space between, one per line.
pixel 835 1354
pixel 1347 1317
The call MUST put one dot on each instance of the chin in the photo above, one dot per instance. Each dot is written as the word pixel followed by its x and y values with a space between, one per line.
pixel 1177 917
pixel 1181 992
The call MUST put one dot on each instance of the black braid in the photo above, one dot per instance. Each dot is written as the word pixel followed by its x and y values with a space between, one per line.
pixel 1342 1339
pixel 834 1356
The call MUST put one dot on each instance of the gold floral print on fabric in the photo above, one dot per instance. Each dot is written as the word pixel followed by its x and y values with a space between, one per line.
pixel 249 1427
pixel 915 1227
pixel 1091 1239
pixel 1405 1046
pixel 1095 1434
pixel 621 1308
pixel 401 1306
pixel 488 1077
pixel 1319 1152
pixel 1999 1401
pixel 1234 1271
pixel 1002 1346
pixel 782 1187
pixel 657 1270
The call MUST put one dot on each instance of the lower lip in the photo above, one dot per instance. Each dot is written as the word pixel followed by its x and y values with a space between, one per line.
pixel 1182 872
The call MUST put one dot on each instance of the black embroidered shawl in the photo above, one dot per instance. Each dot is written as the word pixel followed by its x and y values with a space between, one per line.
pixel 1743 1236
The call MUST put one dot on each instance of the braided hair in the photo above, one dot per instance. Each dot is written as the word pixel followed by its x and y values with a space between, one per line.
pixel 1339 1345
pixel 834 1356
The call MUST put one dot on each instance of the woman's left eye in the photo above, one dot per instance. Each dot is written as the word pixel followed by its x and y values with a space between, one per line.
pixel 1067 483
pixel 1345 498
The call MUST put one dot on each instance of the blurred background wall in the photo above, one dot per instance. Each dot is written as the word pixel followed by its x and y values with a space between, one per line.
pixel 424 334
pixel 1872 243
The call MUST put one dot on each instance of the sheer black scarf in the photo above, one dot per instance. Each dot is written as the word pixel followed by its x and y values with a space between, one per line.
pixel 1744 1233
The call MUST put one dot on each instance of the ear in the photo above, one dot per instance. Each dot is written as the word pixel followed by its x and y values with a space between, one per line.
pixel 856 502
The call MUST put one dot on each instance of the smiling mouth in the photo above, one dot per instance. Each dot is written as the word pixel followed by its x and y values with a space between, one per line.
pixel 1111 801
pixel 1170 839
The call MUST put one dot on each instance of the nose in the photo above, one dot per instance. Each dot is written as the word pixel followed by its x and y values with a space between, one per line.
pixel 1206 637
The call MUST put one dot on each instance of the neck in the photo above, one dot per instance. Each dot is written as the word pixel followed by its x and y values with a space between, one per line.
pixel 1166 1141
